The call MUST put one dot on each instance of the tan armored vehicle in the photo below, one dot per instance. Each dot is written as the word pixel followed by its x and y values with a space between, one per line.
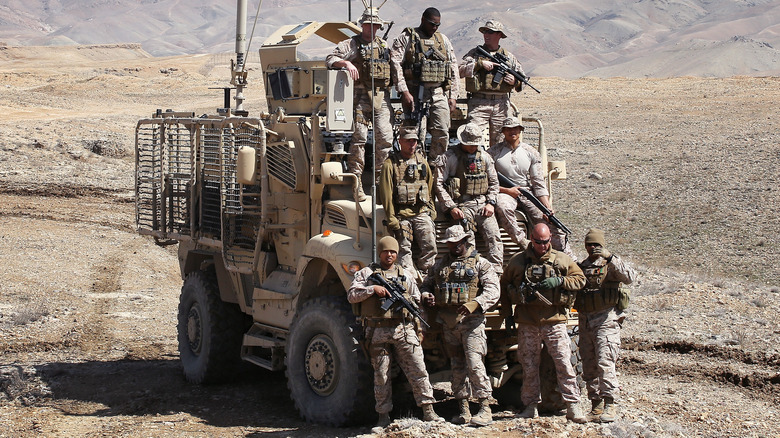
pixel 270 233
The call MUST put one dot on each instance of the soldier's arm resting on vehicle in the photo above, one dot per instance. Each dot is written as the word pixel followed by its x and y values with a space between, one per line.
pixel 339 58
pixel 350 67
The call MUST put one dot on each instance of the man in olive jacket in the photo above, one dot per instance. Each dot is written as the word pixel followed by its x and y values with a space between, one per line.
pixel 542 283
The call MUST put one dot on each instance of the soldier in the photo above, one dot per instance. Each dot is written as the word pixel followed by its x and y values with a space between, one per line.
pixel 392 331
pixel 464 286
pixel 488 101
pixel 406 192
pixel 522 164
pixel 467 187
pixel 425 72
pixel 598 304
pixel 366 59
pixel 542 283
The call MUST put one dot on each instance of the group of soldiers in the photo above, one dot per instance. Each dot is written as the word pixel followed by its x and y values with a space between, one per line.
pixel 539 284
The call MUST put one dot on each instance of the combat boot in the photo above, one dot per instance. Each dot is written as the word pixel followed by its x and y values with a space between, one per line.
pixel 597 407
pixel 484 416
pixel 574 413
pixel 384 420
pixel 530 411
pixel 610 410
pixel 429 414
pixel 465 414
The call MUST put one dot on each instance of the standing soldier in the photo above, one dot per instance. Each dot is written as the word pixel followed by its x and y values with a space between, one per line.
pixel 467 187
pixel 406 192
pixel 598 304
pixel 464 286
pixel 542 282
pixel 392 331
pixel 366 59
pixel 425 73
pixel 521 163
pixel 489 101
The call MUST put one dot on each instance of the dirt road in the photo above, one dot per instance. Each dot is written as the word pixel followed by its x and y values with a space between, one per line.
pixel 681 173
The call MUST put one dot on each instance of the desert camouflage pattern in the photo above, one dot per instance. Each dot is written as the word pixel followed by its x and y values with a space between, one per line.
pixel 600 350
pixel 424 234
pixel 529 353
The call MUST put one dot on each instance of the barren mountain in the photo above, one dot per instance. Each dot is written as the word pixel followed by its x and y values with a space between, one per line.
pixel 603 38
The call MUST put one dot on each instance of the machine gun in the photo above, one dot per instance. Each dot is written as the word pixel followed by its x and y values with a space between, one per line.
pixel 502 68
pixel 503 181
pixel 396 299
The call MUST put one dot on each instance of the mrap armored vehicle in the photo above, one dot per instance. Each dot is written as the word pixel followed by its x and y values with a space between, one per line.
pixel 270 233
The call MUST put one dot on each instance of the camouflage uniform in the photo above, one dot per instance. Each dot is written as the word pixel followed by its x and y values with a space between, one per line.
pixel 391 332
pixel 450 165
pixel 523 165
pixel 409 215
pixel 488 106
pixel 366 102
pixel 464 337
pixel 405 75
pixel 598 323
pixel 539 322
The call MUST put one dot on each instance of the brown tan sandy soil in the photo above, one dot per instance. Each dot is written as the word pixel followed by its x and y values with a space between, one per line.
pixel 681 173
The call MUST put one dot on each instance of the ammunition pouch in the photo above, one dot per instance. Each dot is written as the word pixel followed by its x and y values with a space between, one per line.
pixel 452 186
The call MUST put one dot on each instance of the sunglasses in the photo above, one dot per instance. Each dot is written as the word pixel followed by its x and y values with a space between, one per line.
pixel 541 242
pixel 433 23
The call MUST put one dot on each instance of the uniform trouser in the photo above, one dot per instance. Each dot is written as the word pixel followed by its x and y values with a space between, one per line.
pixel 488 228
pixel 490 113
pixel 424 233
pixel 505 214
pixel 466 345
pixel 383 132
pixel 401 341
pixel 437 122
pixel 529 352
pixel 600 348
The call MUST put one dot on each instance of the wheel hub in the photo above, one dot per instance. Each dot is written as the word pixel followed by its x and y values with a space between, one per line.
pixel 321 365
pixel 194 329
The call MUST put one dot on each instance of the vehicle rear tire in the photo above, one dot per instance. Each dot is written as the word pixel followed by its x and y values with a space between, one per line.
pixel 209 331
pixel 329 376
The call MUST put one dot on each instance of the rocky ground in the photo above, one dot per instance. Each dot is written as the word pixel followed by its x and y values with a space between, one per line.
pixel 681 173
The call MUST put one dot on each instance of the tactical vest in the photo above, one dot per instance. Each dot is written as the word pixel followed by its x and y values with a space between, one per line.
pixel 597 294
pixel 522 293
pixel 379 69
pixel 411 180
pixel 482 80
pixel 371 307
pixel 458 282
pixel 426 59
pixel 472 173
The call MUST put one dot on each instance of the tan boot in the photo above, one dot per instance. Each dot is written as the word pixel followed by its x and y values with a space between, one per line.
pixel 530 411
pixel 574 413
pixel 597 407
pixel 484 416
pixel 429 414
pixel 610 410
pixel 384 420
pixel 465 414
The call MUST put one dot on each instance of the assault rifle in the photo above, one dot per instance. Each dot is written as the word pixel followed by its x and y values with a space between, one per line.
pixel 503 181
pixel 534 287
pixel 502 68
pixel 420 108
pixel 396 299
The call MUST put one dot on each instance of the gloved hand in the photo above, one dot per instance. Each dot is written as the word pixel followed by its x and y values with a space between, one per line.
pixel 551 283
pixel 428 299
pixel 603 252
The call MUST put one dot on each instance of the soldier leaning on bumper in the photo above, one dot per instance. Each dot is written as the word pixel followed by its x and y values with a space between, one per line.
pixel 599 304
pixel 489 102
pixel 392 333
pixel 542 283
pixel 406 192
pixel 463 286
pixel 366 59
pixel 423 57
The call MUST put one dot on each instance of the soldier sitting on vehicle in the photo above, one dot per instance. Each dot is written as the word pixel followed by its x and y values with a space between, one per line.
pixel 391 332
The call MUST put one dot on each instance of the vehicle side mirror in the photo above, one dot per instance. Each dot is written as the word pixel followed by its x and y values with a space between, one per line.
pixel 333 173
pixel 556 169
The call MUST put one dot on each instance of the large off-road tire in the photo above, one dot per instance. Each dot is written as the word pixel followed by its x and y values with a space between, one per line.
pixel 209 331
pixel 329 376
